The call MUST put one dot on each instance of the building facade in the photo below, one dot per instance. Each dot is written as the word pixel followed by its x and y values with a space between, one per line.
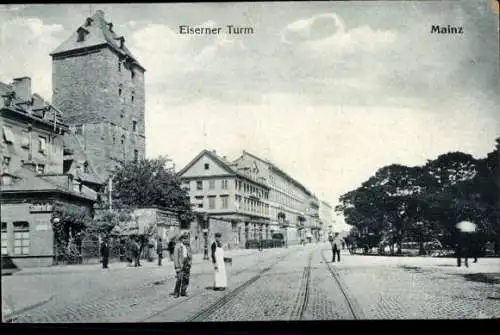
pixel 99 86
pixel 326 217
pixel 225 194
pixel 32 178
pixel 288 199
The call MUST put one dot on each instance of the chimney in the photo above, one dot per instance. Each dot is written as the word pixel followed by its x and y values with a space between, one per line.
pixel 30 165
pixel 110 26
pixel 22 88
pixel 88 22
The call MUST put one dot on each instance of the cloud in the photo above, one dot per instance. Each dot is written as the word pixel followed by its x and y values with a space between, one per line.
pixel 25 44
pixel 314 28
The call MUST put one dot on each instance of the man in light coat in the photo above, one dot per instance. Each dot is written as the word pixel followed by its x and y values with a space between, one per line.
pixel 182 263
pixel 336 246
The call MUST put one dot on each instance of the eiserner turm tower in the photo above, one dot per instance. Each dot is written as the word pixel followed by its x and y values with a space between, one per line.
pixel 99 85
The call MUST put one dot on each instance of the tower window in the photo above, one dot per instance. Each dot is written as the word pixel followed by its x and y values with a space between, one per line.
pixel 136 155
pixel 86 167
pixel 119 66
pixel 132 97
pixel 134 126
pixel 119 91
pixel 114 140
pixel 132 74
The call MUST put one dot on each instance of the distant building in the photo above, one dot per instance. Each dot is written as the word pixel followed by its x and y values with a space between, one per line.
pixel 288 198
pixel 99 85
pixel 312 225
pixel 216 187
pixel 32 175
pixel 326 216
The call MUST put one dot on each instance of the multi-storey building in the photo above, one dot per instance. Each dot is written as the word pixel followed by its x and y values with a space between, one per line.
pixel 312 225
pixel 32 175
pixel 288 199
pixel 217 187
pixel 326 216
pixel 99 86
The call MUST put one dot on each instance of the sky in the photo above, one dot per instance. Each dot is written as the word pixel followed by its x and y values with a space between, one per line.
pixel 328 91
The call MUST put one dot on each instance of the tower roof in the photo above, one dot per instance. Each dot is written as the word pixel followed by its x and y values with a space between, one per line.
pixel 98 32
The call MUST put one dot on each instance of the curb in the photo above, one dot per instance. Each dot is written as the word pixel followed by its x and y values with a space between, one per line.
pixel 11 317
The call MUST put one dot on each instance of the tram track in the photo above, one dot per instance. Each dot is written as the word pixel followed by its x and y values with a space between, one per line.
pixel 303 293
pixel 212 308
pixel 351 304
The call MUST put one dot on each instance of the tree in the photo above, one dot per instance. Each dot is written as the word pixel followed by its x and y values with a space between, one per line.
pixel 148 183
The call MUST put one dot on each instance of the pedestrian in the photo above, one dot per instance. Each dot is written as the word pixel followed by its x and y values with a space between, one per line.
pixel 159 250
pixel 220 283
pixel 136 252
pixel 182 263
pixel 105 253
pixel 461 249
pixel 336 245
pixel 171 248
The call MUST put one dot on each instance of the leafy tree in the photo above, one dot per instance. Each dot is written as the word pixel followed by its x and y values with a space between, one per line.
pixel 148 183
pixel 68 220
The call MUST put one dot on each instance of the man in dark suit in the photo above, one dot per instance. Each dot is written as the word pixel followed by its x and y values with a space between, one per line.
pixel 159 250
pixel 105 252
pixel 182 262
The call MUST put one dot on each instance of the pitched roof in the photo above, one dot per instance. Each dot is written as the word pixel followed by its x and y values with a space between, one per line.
pixel 71 141
pixel 279 170
pixel 27 180
pixel 224 163
pixel 99 33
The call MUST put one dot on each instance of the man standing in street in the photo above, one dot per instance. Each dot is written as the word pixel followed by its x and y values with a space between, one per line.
pixel 336 247
pixel 182 263
pixel 105 253
pixel 159 250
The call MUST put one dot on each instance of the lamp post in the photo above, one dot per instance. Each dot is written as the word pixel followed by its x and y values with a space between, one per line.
pixel 421 250
pixel 205 236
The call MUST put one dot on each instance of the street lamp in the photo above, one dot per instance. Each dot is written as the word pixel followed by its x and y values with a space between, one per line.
pixel 206 224
pixel 421 251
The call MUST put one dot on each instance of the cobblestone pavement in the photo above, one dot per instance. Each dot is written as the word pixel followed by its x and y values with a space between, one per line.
pixel 392 288
pixel 117 295
pixel 293 283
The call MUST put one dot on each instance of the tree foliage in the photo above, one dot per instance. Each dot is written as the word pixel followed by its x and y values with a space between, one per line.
pixel 453 187
pixel 148 183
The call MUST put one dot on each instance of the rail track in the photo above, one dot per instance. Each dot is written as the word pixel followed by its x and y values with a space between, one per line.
pixel 212 308
pixel 351 304
pixel 303 294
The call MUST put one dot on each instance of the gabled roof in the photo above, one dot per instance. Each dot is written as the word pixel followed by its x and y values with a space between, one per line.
pixel 98 34
pixel 213 156
pixel 230 167
pixel 71 141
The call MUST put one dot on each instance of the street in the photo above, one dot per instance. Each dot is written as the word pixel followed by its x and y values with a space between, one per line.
pixel 295 283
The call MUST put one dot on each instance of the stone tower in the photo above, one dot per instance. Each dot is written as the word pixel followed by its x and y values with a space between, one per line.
pixel 99 86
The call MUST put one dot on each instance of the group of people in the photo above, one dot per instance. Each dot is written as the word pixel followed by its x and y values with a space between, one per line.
pixel 182 257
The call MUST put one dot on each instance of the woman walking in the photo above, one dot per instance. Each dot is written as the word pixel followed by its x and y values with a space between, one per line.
pixel 219 266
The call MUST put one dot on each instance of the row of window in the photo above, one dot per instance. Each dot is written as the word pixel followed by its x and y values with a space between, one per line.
pixel 251 189
pixel 80 128
pixel 224 202
pixel 211 184
pixel 40 168
pixel 9 138
pixel 251 205
pixel 21 240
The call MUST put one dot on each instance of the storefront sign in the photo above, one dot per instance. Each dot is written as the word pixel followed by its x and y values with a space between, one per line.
pixel 41 208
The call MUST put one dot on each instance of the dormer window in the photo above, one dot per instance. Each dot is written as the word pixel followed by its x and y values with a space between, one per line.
pixel 88 22
pixel 86 167
pixel 110 27
pixel 122 42
pixel 82 32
